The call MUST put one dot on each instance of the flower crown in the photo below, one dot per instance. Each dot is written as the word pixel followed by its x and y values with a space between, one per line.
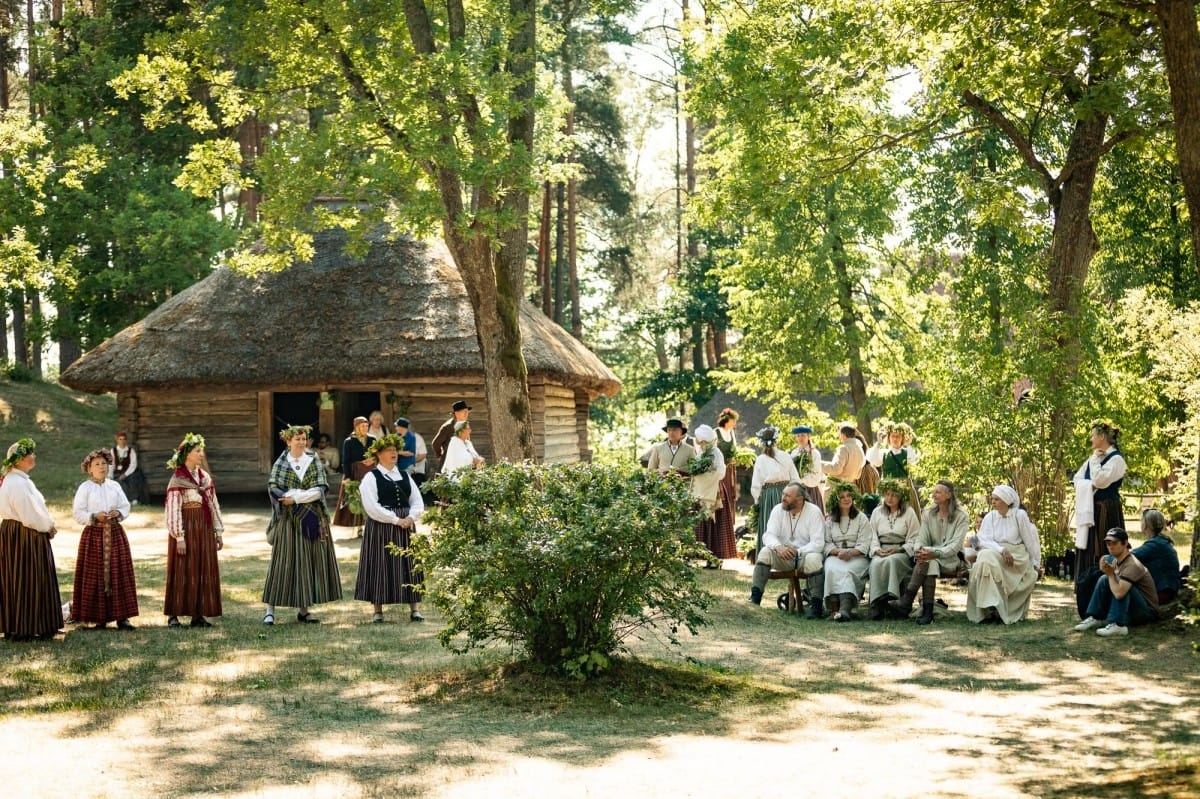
pixel 383 442
pixel 767 435
pixel 104 453
pixel 17 451
pixel 189 443
pixel 895 487
pixel 286 434
pixel 903 428
pixel 836 487
pixel 1108 427
pixel 726 414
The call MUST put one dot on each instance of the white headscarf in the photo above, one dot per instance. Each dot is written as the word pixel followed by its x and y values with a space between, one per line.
pixel 704 433
pixel 1008 495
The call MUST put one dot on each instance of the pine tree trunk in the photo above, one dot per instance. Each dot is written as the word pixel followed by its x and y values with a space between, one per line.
pixel 1181 52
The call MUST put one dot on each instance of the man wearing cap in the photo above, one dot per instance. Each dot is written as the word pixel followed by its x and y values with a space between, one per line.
pixel 808 464
pixel 672 456
pixel 1125 595
pixel 460 411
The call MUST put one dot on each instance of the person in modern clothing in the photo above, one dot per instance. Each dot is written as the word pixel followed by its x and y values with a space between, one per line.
pixel 847 542
pixel 939 542
pixel 460 411
pixel 1098 504
pixel 1159 556
pixel 393 505
pixel 355 464
pixel 715 529
pixel 794 539
pixel 808 464
pixel 408 455
pixel 105 588
pixel 461 454
pixel 30 605
pixel 773 469
pixel 894 528
pixel 303 569
pixel 1125 596
pixel 194 537
pixel 126 470
pixel 1006 557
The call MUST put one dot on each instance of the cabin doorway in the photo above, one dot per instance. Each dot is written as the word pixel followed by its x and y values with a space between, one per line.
pixel 300 407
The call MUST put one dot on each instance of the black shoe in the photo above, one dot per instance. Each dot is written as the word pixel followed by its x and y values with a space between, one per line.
pixel 123 624
pixel 897 609
pixel 816 609
pixel 200 621
pixel 876 611
pixel 756 596
pixel 926 616
pixel 307 618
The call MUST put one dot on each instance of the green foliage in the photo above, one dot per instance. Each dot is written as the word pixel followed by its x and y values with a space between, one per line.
pixel 562 562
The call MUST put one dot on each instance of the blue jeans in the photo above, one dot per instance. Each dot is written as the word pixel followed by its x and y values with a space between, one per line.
pixel 1131 609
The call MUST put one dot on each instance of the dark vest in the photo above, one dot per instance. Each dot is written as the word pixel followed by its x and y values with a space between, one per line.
pixel 1112 491
pixel 393 494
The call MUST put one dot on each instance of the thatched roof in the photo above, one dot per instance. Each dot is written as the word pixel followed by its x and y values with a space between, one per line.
pixel 401 310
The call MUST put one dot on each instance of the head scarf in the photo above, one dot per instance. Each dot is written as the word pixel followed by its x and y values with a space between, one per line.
pixel 1008 495
pixel 704 433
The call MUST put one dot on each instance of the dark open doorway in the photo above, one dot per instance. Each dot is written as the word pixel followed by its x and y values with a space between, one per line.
pixel 298 407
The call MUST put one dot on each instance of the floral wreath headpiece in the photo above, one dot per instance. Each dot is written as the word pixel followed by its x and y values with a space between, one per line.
pixel 189 443
pixel 383 442
pixel 836 488
pixel 767 435
pixel 285 435
pixel 17 451
pixel 726 414
pixel 894 486
pixel 903 428
pixel 1108 427
pixel 103 452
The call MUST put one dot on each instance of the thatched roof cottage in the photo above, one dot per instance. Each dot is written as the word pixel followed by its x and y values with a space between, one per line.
pixel 236 358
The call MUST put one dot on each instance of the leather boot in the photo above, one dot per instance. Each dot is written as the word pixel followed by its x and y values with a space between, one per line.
pixel 832 606
pixel 926 616
pixel 816 608
pixel 846 603
pixel 902 607
pixel 876 611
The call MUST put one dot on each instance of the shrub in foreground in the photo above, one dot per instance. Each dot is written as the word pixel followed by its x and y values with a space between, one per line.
pixel 562 562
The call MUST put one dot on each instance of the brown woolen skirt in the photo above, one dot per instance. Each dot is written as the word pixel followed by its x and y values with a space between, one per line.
pixel 193 580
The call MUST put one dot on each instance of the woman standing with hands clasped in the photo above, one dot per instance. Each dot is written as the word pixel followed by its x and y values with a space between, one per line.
pixel 393 504
pixel 30 606
pixel 105 589
pixel 303 570
pixel 194 529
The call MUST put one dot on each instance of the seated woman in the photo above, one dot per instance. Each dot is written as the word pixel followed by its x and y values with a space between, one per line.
pixel 939 542
pixel 1006 558
pixel 847 540
pixel 1159 556
pixel 773 470
pixel 894 526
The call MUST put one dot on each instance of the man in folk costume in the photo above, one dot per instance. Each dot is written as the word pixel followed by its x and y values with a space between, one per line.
pixel 125 470
pixel 794 539
pixel 460 411
pixel 849 460
pixel 672 456
pixel 808 464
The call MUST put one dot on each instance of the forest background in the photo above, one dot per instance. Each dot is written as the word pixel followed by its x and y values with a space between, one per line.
pixel 973 217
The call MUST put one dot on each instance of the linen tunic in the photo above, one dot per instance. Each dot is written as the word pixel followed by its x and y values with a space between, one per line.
pixel 889 574
pixel 1008 589
pixel 945 537
pixel 847 576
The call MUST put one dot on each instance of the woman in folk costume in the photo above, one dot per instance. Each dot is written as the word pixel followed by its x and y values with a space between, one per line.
pixel 194 530
pixel 894 528
pixel 715 529
pixel 105 589
pixel 847 542
pixel 727 443
pixel 1006 554
pixel 940 539
pixel 1098 506
pixel 355 464
pixel 461 455
pixel 30 606
pixel 773 469
pixel 303 570
pixel 393 504
pixel 894 455
pixel 808 464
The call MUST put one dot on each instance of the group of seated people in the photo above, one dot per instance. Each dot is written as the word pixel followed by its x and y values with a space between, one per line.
pixel 895 555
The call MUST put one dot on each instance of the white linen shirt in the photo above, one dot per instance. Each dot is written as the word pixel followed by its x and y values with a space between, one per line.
pixel 369 493
pixel 1015 528
pixel 92 498
pixel 20 500
pixel 460 454
pixel 779 469
pixel 804 531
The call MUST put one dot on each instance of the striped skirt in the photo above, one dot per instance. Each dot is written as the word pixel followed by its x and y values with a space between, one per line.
pixel 30 604
pixel 193 580
pixel 302 572
pixel 768 498
pixel 104 585
pixel 384 578
pixel 716 532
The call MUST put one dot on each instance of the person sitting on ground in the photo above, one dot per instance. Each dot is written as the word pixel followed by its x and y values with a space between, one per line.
pixel 1006 557
pixel 847 541
pixel 894 528
pixel 794 539
pixel 1125 595
pixel 1159 556
pixel 939 543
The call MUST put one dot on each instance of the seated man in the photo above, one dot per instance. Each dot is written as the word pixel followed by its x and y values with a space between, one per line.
pixel 794 538
pixel 1158 555
pixel 1125 595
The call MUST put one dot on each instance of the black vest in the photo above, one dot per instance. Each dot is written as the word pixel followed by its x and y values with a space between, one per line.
pixel 1111 491
pixel 393 494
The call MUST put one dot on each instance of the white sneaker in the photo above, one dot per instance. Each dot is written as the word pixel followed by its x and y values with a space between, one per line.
pixel 1112 629
pixel 1087 624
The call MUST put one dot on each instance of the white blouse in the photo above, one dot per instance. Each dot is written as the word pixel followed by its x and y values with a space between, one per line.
pixel 368 491
pixel 92 498
pixel 20 500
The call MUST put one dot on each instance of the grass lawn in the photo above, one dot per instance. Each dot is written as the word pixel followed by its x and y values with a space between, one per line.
pixel 759 703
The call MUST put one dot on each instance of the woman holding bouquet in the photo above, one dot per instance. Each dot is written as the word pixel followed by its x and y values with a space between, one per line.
pixel 715 529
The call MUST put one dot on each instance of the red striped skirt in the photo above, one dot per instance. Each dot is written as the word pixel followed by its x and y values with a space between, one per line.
pixel 105 589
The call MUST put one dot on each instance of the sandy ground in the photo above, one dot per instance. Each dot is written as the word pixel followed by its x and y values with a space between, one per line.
pixel 1000 728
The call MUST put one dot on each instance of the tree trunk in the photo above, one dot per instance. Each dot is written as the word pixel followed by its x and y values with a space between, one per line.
pixel 543 252
pixel 848 313
pixel 1181 52
pixel 20 348
pixel 38 334
pixel 560 252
